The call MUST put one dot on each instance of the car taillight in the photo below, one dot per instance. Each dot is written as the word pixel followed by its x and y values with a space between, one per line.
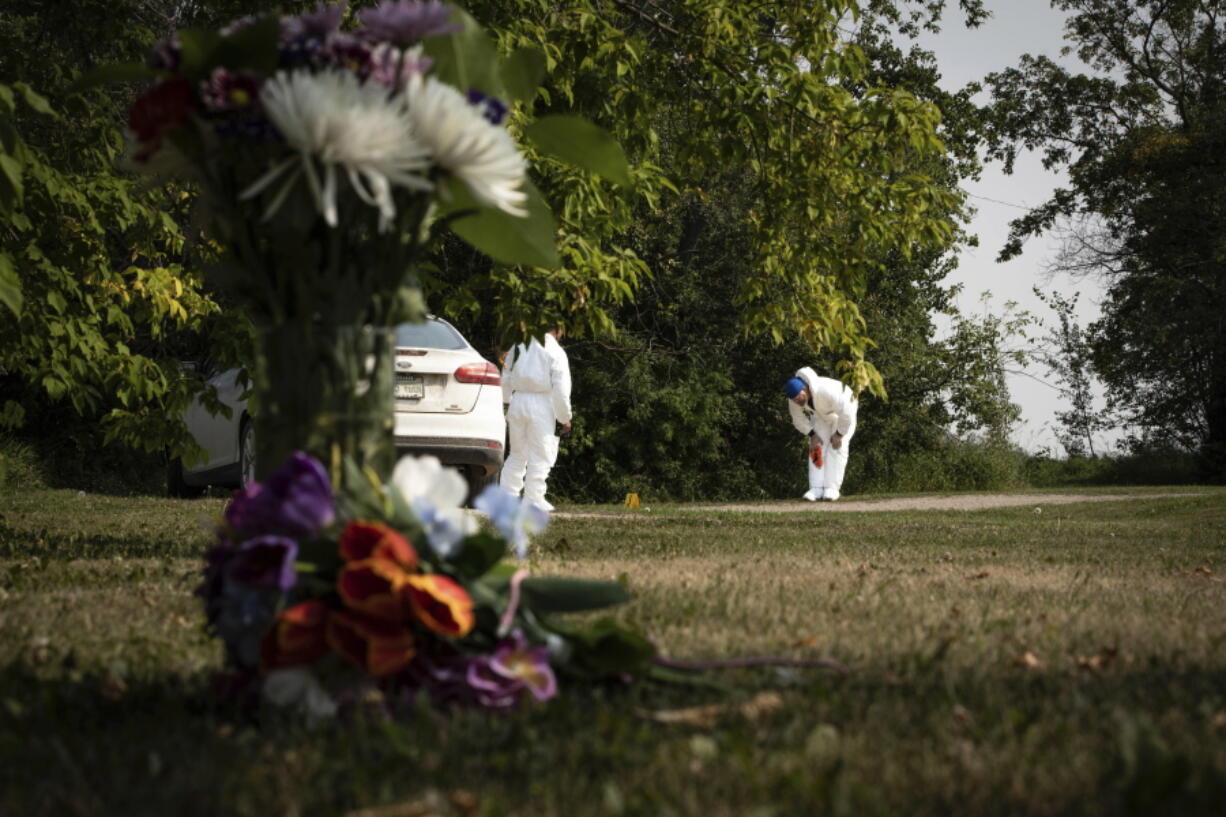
pixel 482 372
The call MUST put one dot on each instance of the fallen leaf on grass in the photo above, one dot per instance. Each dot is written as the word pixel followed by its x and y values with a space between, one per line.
pixel 983 574
pixel 1205 570
pixel 1030 661
pixel 1099 661
pixel 707 716
pixel 805 642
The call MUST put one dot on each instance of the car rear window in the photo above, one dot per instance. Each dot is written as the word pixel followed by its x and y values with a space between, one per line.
pixel 429 335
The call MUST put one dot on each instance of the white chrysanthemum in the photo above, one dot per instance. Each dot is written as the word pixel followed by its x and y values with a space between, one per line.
pixel 332 119
pixel 462 141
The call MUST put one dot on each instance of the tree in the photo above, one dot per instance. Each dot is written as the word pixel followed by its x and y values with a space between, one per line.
pixel 1144 138
pixel 1066 353
pixel 833 168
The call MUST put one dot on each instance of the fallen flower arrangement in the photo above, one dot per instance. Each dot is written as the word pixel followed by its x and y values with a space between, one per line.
pixel 397 589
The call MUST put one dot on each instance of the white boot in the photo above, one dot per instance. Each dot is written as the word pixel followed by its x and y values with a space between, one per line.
pixel 813 495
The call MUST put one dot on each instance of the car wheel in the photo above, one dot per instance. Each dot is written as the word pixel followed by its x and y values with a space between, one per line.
pixel 176 488
pixel 478 481
pixel 246 453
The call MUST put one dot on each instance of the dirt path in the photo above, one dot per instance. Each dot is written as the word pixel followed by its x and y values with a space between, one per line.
pixel 954 502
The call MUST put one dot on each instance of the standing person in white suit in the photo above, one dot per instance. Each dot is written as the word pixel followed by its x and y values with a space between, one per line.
pixel 536 389
pixel 824 410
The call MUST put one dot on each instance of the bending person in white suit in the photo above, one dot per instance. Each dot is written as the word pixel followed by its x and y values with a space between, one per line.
pixel 824 410
pixel 536 388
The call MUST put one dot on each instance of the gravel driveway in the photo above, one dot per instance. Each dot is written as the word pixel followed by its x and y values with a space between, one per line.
pixel 949 502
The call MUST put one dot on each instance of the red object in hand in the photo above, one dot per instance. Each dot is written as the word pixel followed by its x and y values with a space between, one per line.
pixel 815 454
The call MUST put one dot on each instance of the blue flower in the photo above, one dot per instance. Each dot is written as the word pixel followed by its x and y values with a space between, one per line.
pixel 514 518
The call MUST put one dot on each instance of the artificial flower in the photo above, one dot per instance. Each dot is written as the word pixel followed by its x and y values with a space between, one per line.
pixel 298 687
pixel 513 658
pixel 265 561
pixel 405 22
pixel 160 110
pixel 367 540
pixel 298 636
pixel 516 519
pixel 376 647
pixel 374 587
pixel 435 494
pixel 333 119
pixel 463 142
pixel 296 501
pixel 441 604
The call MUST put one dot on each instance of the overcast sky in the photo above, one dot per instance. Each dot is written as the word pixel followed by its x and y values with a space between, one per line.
pixel 966 55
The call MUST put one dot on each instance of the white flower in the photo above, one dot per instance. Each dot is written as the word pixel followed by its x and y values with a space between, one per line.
pixel 345 126
pixel 297 687
pixel 479 153
pixel 435 494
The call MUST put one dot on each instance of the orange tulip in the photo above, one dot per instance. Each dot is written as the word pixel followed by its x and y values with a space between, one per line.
pixel 374 587
pixel 366 540
pixel 375 646
pixel 441 604
pixel 296 637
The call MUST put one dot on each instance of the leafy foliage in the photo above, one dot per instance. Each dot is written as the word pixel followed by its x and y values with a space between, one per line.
pixel 1142 136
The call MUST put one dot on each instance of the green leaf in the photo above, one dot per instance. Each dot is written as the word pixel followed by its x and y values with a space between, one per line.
pixel 6 97
pixel 606 648
pixel 478 555
pixel 111 74
pixel 567 595
pixel 503 237
pixel 252 47
pixel 10 183
pixel 522 73
pixel 10 285
pixel 578 141
pixel 196 48
pixel 34 99
pixel 9 140
pixel 467 59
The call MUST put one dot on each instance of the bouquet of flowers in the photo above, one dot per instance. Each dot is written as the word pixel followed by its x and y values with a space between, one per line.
pixel 330 149
pixel 396 591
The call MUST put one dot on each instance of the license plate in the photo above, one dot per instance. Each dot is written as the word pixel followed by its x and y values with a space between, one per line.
pixel 410 388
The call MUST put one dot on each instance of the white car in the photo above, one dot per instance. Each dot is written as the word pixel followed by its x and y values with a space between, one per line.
pixel 448 402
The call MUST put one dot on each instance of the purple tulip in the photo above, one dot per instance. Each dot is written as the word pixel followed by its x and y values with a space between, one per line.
pixel 265 561
pixel 296 501
pixel 405 22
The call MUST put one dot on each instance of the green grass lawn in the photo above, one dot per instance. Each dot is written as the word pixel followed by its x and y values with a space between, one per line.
pixel 1067 661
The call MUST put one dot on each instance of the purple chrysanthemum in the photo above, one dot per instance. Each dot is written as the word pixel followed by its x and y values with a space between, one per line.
pixel 316 24
pixel 392 67
pixel 405 22
pixel 296 501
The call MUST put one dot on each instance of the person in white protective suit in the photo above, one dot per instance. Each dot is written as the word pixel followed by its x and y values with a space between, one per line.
pixel 536 388
pixel 824 410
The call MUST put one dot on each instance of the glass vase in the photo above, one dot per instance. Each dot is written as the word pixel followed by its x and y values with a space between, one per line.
pixel 326 390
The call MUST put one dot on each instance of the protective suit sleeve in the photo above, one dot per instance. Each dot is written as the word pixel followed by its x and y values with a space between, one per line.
pixel 803 424
pixel 559 376
pixel 507 365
